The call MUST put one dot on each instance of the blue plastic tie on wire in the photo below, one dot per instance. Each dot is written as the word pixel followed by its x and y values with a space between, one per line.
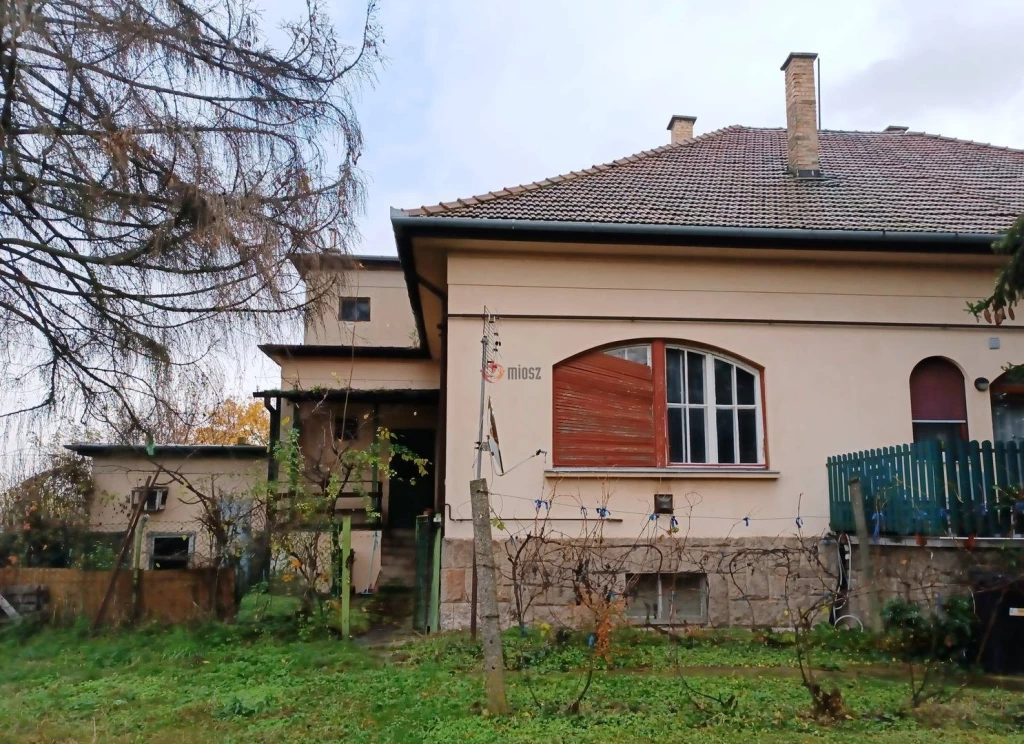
pixel 602 512
pixel 652 517
pixel 591 640
pixel 673 522
pixel 878 524
pixel 746 521
pixel 583 511
pixel 799 523
pixel 537 503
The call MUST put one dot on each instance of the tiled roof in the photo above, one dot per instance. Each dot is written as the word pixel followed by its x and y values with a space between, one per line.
pixel 736 177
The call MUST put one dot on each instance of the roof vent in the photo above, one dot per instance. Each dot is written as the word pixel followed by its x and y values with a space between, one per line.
pixel 681 128
pixel 802 152
pixel 896 128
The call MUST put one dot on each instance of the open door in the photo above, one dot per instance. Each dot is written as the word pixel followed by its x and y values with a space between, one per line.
pixel 411 493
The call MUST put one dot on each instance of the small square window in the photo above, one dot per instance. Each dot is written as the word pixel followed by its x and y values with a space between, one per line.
pixel 171 552
pixel 663 503
pixel 346 429
pixel 354 309
pixel 154 499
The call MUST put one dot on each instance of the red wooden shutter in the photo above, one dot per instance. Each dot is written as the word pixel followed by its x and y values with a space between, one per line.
pixel 603 413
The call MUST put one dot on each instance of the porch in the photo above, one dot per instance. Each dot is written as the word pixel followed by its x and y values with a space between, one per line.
pixel 931 489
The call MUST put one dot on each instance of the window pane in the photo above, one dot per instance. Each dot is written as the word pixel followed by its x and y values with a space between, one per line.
pixel 637 354
pixel 748 431
pixel 944 432
pixel 698 443
pixel 354 309
pixel 726 445
pixel 675 435
pixel 723 382
pixel 695 377
pixel 1008 418
pixel 674 372
pixel 744 387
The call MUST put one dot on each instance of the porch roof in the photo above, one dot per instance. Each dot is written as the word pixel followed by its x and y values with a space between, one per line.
pixel 330 351
pixel 380 395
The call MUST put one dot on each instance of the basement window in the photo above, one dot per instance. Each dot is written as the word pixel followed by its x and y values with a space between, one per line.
pixel 170 552
pixel 667 598
pixel 354 309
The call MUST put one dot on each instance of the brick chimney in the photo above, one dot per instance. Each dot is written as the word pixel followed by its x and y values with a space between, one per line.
pixel 801 116
pixel 681 128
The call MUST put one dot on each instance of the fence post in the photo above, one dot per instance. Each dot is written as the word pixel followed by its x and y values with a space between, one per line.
pixel 434 621
pixel 346 576
pixel 864 554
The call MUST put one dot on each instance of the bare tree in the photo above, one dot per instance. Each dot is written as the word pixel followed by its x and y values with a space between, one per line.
pixel 160 160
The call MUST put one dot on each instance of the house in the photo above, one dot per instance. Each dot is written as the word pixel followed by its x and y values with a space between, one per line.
pixel 686 336
pixel 652 361
pixel 173 482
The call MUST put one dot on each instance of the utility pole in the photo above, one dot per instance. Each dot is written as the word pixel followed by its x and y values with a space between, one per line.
pixel 485 588
pixel 494 663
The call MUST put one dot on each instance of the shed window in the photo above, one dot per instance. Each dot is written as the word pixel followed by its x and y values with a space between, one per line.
pixel 354 309
pixel 671 598
pixel 170 552
pixel 938 403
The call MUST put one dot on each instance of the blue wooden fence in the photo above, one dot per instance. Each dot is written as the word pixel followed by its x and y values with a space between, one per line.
pixel 932 488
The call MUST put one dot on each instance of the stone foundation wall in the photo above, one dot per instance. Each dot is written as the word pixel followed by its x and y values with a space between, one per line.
pixel 750 581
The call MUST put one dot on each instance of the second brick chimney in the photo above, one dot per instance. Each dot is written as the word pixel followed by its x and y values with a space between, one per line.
pixel 681 128
pixel 802 152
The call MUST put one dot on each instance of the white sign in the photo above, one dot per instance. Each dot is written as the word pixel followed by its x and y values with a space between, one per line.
pixel 1017 612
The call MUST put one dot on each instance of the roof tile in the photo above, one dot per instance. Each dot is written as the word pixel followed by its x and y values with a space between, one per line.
pixel 737 177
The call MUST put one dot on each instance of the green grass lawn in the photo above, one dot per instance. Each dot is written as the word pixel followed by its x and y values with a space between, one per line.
pixel 246 684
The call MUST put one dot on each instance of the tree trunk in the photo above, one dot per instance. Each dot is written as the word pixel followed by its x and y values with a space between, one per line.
pixel 494 663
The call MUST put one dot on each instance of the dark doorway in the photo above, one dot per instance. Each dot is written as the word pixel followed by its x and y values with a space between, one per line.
pixel 410 494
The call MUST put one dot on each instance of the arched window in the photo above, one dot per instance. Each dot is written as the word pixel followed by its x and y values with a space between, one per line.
pixel 1007 395
pixel 657 404
pixel 938 404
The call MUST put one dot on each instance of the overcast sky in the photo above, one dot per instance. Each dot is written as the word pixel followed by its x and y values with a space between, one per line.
pixel 478 95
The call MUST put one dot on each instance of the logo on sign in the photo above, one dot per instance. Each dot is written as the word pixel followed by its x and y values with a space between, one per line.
pixel 493 372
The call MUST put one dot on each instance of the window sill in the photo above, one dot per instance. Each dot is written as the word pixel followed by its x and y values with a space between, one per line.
pixel 666 473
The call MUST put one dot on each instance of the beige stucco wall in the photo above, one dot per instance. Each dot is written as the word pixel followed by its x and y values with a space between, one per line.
pixel 115 477
pixel 837 341
pixel 360 374
pixel 391 321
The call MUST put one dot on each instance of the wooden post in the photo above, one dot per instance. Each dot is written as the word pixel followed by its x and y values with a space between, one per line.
pixel 346 576
pixel 9 610
pixel 136 515
pixel 874 619
pixel 494 663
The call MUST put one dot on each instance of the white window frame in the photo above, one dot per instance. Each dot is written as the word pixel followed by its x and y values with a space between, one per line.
pixel 711 404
